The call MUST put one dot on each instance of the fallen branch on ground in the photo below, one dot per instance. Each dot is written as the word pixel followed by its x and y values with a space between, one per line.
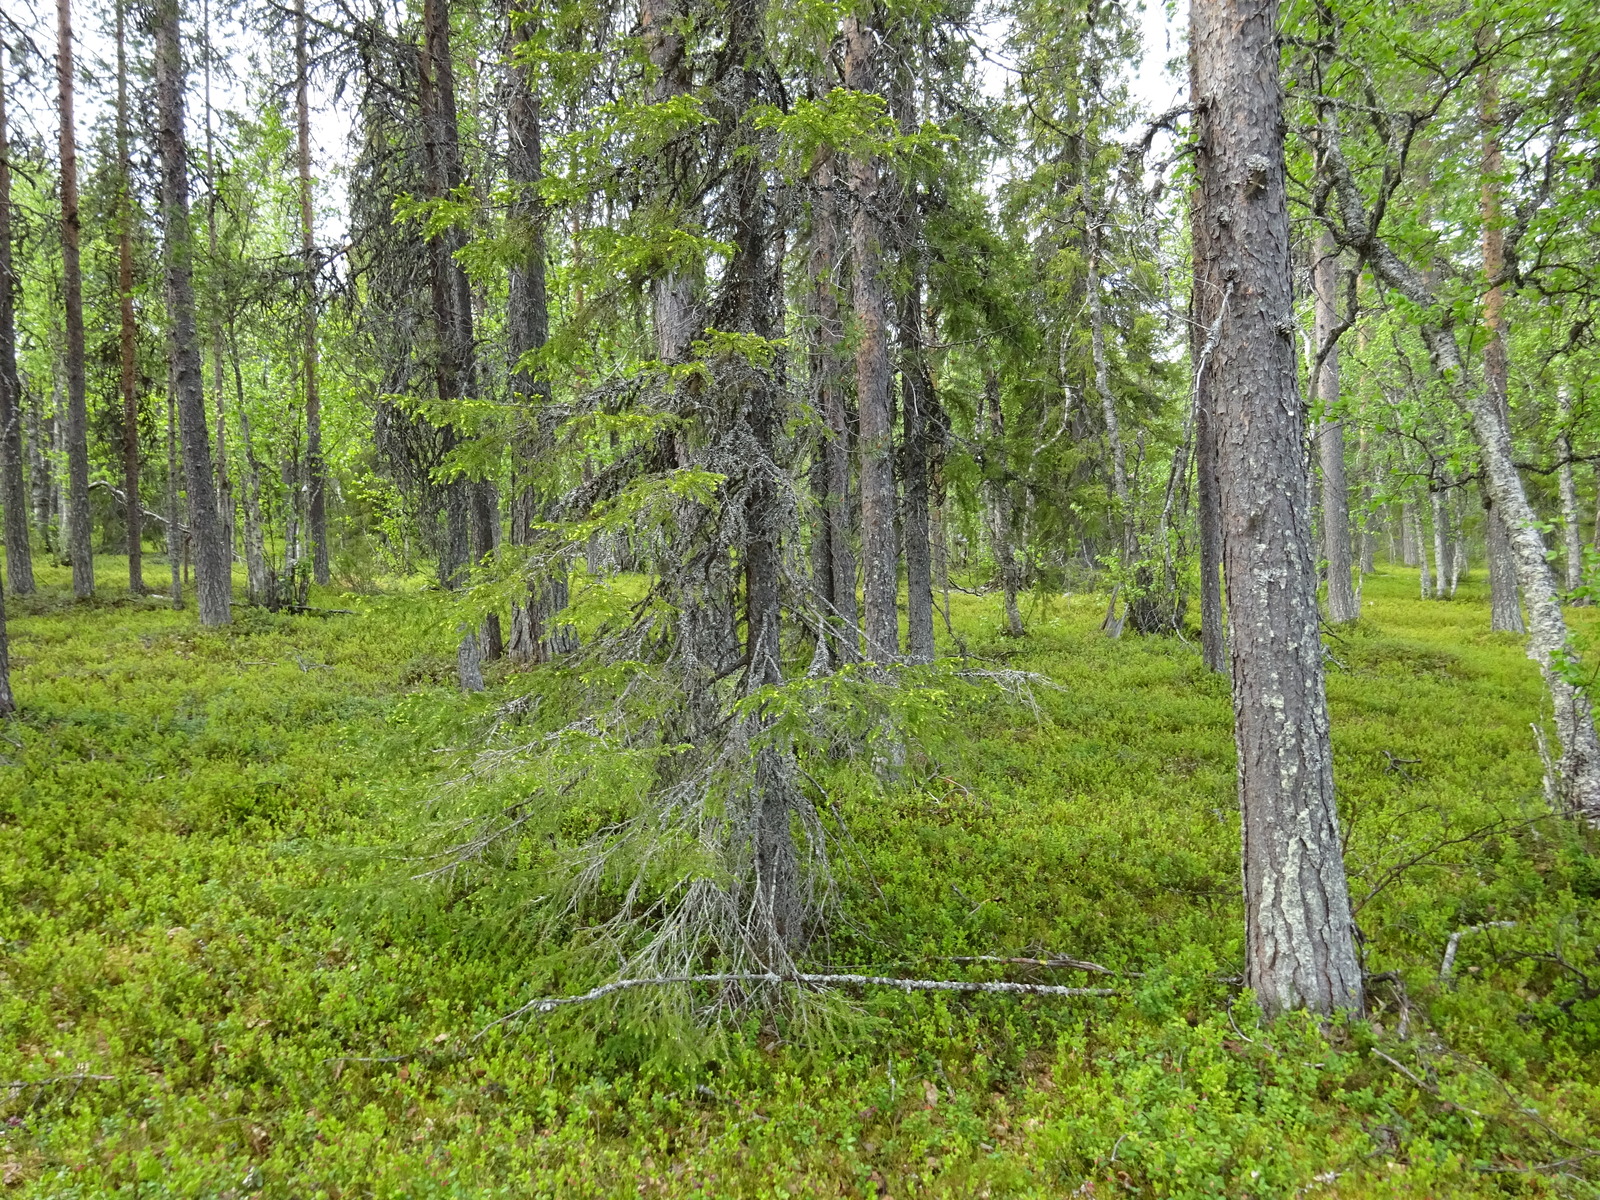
pixel 549 1003
pixel 1447 966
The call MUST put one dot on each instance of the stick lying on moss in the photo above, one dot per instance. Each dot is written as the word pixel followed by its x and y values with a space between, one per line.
pixel 546 1003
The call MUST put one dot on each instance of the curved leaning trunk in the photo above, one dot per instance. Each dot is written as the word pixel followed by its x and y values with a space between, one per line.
pixel 1548 641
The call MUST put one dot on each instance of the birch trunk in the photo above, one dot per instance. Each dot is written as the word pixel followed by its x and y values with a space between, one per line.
pixel 1213 631
pixel 1441 544
pixel 1548 644
pixel 879 545
pixel 1342 606
pixel 213 587
pixel 1571 518
pixel 13 485
pixel 1505 611
pixel 1300 949
pixel 77 537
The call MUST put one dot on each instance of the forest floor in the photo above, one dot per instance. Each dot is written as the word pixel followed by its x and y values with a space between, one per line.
pixel 202 993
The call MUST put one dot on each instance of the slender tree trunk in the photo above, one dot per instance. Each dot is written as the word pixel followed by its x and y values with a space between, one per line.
pixel 1441 543
pixel 535 635
pixel 41 435
pixel 213 590
pixel 78 536
pixel 1330 440
pixel 1299 944
pixel 174 534
pixel 316 492
pixel 214 321
pixel 8 702
pixel 1505 612
pixel 452 309
pixel 997 500
pixel 1571 518
pixel 879 546
pixel 833 555
pixel 13 486
pixel 1420 543
pixel 258 574
pixel 1213 630
pixel 127 342
pixel 1120 492
pixel 674 310
pixel 921 418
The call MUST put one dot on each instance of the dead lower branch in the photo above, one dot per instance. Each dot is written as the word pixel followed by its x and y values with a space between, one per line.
pixel 549 1003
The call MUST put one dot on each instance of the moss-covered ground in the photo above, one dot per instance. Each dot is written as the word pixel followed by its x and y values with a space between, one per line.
pixel 200 995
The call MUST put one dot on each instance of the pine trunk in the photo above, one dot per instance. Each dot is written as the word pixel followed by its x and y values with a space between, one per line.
pixel 77 537
pixel 879 545
pixel 1300 949
pixel 174 534
pixel 213 587
pixel 127 339
pixel 13 484
pixel 1213 630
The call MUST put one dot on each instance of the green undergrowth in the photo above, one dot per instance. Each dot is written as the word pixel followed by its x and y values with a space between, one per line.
pixel 203 991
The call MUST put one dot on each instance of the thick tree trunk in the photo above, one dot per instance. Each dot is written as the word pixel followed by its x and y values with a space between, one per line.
pixel 879 545
pixel 833 557
pixel 316 491
pixel 1330 440
pixel 77 536
pixel 13 486
pixel 1299 946
pixel 127 344
pixel 213 585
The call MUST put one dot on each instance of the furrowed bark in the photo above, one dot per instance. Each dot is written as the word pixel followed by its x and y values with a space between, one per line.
pixel 1330 439
pixel 13 485
pixel 77 537
pixel 127 329
pixel 1300 949
pixel 879 545
pixel 1213 630
pixel 213 585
